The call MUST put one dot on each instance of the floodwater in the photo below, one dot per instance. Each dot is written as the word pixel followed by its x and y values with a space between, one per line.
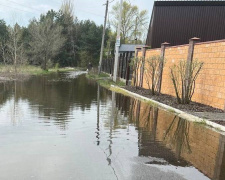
pixel 63 126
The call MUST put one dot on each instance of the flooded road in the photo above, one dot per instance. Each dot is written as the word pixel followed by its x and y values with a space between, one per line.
pixel 63 126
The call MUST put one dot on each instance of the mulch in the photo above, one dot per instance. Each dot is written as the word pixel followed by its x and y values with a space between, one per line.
pixel 171 101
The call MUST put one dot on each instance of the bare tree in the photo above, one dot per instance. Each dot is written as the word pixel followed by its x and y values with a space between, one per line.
pixel 183 82
pixel 67 9
pixel 151 73
pixel 136 64
pixel 14 44
pixel 134 22
pixel 47 40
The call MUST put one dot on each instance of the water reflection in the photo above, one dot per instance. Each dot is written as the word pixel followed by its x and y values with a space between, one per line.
pixel 174 141
pixel 53 96
pixel 105 135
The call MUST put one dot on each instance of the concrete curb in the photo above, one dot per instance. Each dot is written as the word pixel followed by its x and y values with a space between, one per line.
pixel 178 112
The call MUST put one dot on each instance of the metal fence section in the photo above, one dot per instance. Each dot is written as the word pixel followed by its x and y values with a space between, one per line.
pixel 124 69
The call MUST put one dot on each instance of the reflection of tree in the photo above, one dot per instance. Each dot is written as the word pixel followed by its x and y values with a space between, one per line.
pixel 155 112
pixel 55 96
pixel 178 135
pixel 5 91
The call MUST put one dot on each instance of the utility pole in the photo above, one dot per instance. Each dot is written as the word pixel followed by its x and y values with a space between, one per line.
pixel 135 35
pixel 103 38
pixel 118 43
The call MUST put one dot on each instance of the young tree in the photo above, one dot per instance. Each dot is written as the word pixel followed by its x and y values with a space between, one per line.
pixel 47 40
pixel 67 20
pixel 133 21
pixel 136 64
pixel 151 73
pixel 183 82
pixel 15 45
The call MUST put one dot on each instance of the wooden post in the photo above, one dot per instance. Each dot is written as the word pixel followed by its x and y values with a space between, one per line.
pixel 161 65
pixel 129 56
pixel 135 74
pixel 192 43
pixel 122 66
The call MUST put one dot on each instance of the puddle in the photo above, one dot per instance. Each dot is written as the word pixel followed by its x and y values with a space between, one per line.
pixel 74 129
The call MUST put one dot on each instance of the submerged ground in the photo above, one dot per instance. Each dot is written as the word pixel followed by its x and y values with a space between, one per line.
pixel 63 126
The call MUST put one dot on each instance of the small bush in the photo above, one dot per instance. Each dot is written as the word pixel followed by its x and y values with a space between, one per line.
pixel 136 64
pixel 183 77
pixel 152 73
pixel 57 66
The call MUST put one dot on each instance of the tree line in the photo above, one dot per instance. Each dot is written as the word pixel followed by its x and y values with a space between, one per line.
pixel 59 38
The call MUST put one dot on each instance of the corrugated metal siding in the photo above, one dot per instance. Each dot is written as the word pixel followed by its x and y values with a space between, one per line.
pixel 177 24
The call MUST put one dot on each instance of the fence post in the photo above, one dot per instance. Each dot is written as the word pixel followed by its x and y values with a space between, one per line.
pixel 192 43
pixel 135 74
pixel 161 65
pixel 128 71
pixel 144 48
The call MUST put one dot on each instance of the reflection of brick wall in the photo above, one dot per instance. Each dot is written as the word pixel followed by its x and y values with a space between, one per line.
pixel 206 149
pixel 204 144
pixel 210 85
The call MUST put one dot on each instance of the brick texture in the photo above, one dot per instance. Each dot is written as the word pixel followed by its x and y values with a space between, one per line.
pixel 198 145
pixel 210 84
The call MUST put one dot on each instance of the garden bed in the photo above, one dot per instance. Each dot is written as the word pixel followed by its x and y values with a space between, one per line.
pixel 171 101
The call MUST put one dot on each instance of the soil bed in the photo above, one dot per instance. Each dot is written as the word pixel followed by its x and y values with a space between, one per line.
pixel 171 101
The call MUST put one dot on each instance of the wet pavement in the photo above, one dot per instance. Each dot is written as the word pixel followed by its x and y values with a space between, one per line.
pixel 63 126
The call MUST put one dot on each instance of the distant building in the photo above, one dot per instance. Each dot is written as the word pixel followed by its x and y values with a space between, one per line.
pixel 124 48
pixel 178 21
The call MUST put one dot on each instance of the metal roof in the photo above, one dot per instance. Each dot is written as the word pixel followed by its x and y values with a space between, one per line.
pixel 176 22
pixel 189 3
pixel 129 47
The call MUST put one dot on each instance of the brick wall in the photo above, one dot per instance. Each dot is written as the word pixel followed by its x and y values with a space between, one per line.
pixel 210 85
pixel 150 53
pixel 172 56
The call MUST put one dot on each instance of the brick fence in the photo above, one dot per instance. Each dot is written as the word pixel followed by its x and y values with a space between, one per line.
pixel 210 84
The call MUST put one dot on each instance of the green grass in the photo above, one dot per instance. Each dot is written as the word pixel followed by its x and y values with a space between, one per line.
pixel 104 80
pixel 202 123
pixel 30 70
pixel 95 76
pixel 171 110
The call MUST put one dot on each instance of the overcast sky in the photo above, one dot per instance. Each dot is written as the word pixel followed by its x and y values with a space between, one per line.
pixel 24 10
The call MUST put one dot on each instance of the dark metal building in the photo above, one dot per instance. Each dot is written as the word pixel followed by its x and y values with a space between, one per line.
pixel 178 21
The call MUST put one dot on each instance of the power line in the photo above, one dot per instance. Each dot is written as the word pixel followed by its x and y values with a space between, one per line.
pixel 24 5
pixel 90 12
pixel 78 9
pixel 16 8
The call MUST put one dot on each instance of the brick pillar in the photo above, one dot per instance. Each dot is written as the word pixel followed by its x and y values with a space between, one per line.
pixel 161 65
pixel 137 50
pixel 144 48
pixel 192 43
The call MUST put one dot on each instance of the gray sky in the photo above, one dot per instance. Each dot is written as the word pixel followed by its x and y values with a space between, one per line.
pixel 24 10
